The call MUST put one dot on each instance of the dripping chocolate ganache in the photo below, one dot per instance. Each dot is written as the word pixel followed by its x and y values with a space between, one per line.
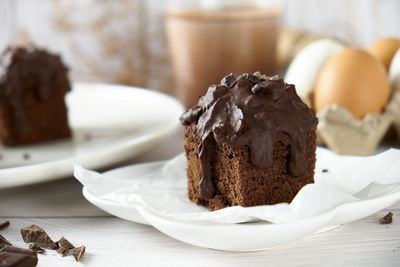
pixel 264 119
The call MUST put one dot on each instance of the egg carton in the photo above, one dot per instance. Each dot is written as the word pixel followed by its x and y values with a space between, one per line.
pixel 344 134
pixel 337 128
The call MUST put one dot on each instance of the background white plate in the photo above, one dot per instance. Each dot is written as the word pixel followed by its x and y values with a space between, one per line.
pixel 110 124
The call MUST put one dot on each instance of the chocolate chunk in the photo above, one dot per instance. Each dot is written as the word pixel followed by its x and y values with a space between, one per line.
pixel 78 252
pixel 325 170
pixel 36 248
pixel 62 251
pixel 388 218
pixel 251 77
pixel 191 115
pixel 35 234
pixel 258 74
pixel 229 80
pixel 4 242
pixel 17 257
pixel 274 78
pixel 64 246
pixel 4 225
pixel 256 88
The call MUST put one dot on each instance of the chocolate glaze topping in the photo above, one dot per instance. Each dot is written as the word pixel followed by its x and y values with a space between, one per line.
pixel 252 110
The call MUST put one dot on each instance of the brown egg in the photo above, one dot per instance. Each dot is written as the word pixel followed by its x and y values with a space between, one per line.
pixel 384 49
pixel 353 79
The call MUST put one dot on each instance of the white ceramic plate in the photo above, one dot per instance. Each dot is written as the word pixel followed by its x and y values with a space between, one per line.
pixel 110 124
pixel 149 178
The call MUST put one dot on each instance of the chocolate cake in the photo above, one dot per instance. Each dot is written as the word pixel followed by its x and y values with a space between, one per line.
pixel 249 141
pixel 33 84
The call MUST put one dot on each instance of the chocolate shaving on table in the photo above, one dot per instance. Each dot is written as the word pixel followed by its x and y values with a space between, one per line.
pixel 4 225
pixel 15 256
pixel 78 252
pixel 36 248
pixel 4 242
pixel 35 234
pixel 64 246
pixel 388 218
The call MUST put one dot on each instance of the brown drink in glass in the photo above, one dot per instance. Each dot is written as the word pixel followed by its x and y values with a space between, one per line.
pixel 207 44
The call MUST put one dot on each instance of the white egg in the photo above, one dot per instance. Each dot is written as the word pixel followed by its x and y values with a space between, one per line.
pixel 304 68
pixel 394 71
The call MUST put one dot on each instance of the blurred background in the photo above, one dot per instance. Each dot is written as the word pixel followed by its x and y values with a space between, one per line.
pixel 125 41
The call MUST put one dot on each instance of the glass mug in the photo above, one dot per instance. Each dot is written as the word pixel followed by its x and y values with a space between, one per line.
pixel 210 39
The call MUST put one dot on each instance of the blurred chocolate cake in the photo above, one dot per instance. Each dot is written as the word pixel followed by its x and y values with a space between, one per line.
pixel 33 84
pixel 249 141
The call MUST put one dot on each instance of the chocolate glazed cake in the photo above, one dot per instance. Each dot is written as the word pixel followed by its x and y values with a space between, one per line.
pixel 32 89
pixel 249 141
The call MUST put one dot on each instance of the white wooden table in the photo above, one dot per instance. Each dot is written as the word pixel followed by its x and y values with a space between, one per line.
pixel 61 210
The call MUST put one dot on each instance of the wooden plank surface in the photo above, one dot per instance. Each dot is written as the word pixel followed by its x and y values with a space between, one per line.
pixel 61 210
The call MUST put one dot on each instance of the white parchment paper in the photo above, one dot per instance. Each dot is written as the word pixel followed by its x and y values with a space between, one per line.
pixel 162 188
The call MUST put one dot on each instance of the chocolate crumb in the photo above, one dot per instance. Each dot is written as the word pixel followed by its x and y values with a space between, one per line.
pixel 64 246
pixel 36 248
pixel 229 80
pixel 35 234
pixel 325 170
pixel 78 252
pixel 4 225
pixel 4 242
pixel 87 137
pixel 388 218
pixel 26 156
pixel 15 256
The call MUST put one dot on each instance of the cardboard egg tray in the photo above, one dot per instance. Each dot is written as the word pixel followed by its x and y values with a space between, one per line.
pixel 344 134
